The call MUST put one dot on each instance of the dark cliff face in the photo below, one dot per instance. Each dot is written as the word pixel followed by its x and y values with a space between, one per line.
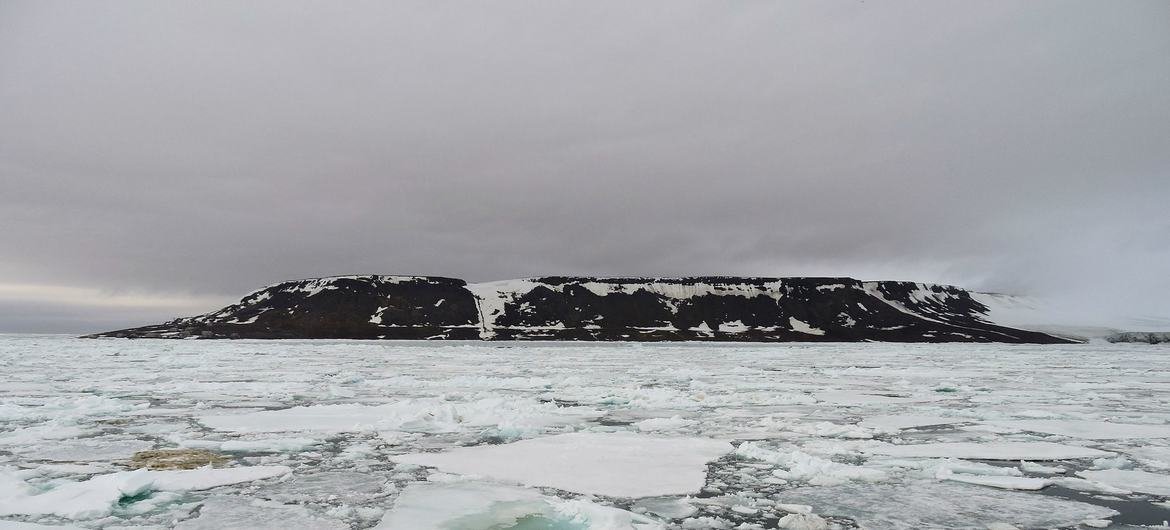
pixel 357 307
pixel 576 308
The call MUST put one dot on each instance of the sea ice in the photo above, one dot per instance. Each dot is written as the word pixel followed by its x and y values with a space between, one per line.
pixel 1089 430
pixel 917 505
pixel 797 465
pixel 229 512
pixel 471 505
pixel 987 451
pixel 998 481
pixel 612 464
pixel 895 422
pixel 96 496
pixel 521 416
pixel 1131 479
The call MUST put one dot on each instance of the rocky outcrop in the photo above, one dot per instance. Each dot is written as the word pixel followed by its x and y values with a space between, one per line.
pixel 614 309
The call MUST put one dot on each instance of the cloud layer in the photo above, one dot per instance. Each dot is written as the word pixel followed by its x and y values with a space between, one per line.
pixel 203 150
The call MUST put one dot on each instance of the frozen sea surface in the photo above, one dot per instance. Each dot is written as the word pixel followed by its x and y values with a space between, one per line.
pixel 344 434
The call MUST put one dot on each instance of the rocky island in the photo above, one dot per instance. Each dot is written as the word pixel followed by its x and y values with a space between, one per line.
pixel 715 308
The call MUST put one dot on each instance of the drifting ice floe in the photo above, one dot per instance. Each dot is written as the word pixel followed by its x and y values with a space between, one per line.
pixel 1089 430
pixel 987 451
pixel 415 415
pixel 1132 480
pixel 612 464
pixel 483 506
pixel 224 512
pixel 919 505
pixel 96 496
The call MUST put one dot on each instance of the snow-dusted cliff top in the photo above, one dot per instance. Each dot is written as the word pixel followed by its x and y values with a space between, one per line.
pixel 591 308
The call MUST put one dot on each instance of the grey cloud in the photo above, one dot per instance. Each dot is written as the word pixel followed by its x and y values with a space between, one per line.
pixel 212 148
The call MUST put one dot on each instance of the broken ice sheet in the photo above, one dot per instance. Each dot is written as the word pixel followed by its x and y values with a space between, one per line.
pixel 514 416
pixel 229 512
pixel 472 505
pixel 1131 479
pixel 344 486
pixel 97 496
pixel 987 451
pixel 612 464
pixel 1089 430
pixel 928 504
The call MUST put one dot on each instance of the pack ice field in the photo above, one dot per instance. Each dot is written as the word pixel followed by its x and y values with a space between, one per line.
pixel 351 434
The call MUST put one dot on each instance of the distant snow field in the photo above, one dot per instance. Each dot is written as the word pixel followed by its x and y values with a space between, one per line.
pixel 571 436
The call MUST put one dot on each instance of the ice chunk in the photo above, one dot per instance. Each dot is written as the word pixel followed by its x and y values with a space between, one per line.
pixel 1088 430
pixel 207 477
pixel 219 513
pixel 802 521
pixel 894 422
pixel 854 398
pixel 87 499
pixel 347 486
pixel 998 481
pixel 477 505
pixel 85 450
pixel 1033 467
pixel 1131 479
pixel 96 496
pixel 797 465
pixel 17 525
pixel 268 445
pixel 410 415
pixel 663 424
pixel 929 504
pixel 613 464
pixel 987 451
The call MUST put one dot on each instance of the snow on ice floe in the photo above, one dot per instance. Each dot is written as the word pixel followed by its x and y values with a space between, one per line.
pixel 96 496
pixel 225 512
pixel 17 525
pixel 896 422
pixel 987 451
pixel 918 505
pixel 611 464
pixel 799 466
pixel 472 505
pixel 263 445
pixel 515 417
pixel 83 450
pixel 347 486
pixel 1130 479
pixel 1089 430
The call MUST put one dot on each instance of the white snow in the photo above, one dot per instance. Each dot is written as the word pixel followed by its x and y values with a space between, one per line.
pixel 999 481
pixel 231 512
pixel 986 451
pixel 799 466
pixel 1088 430
pixel 895 422
pixel 266 445
pixel 1131 479
pixel 415 415
pixel 803 327
pixel 96 496
pixel 473 505
pixel 613 464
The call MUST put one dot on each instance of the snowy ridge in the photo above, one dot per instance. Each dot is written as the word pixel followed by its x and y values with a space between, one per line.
pixel 597 308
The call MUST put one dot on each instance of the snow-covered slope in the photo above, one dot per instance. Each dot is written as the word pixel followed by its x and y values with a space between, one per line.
pixel 588 308
pixel 1045 315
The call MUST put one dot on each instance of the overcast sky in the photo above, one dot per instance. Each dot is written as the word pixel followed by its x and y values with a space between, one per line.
pixel 160 159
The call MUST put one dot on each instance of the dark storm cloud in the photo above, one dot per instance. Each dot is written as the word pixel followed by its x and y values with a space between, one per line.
pixel 195 151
